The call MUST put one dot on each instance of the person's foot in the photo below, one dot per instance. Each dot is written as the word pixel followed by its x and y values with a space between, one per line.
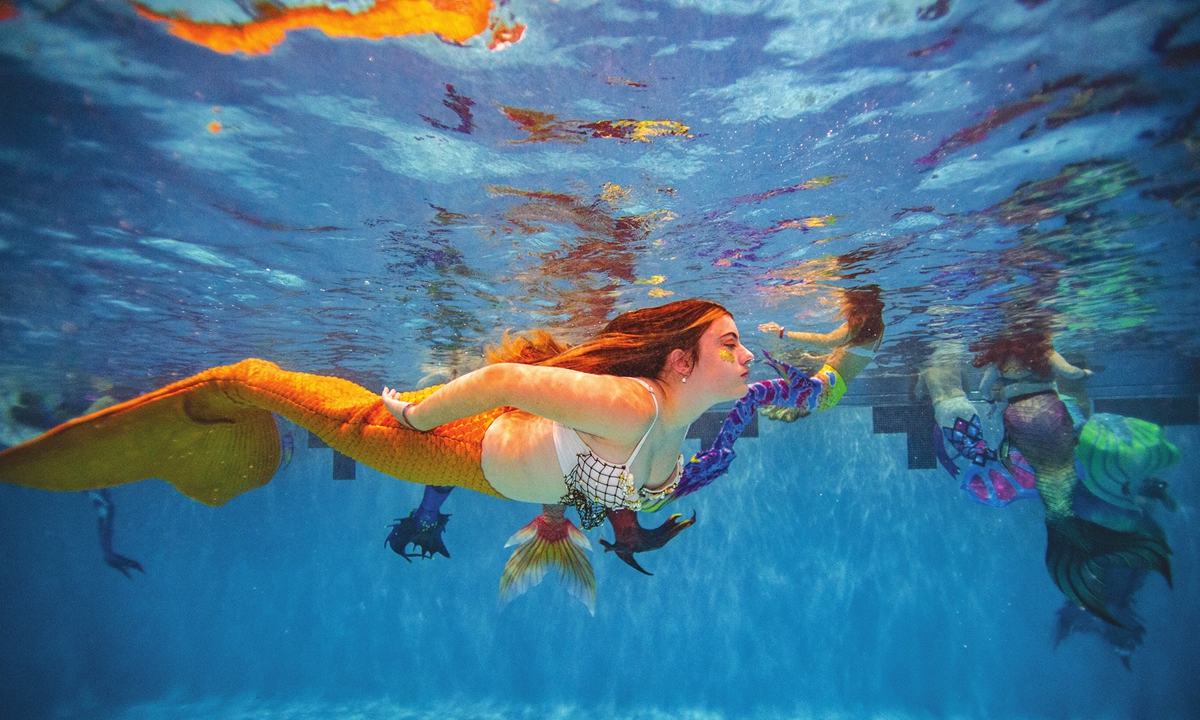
pixel 122 564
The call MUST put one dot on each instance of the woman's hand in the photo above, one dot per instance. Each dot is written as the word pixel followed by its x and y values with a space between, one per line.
pixel 772 328
pixel 397 407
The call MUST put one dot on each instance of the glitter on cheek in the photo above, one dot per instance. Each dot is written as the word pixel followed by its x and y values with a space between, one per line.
pixel 726 355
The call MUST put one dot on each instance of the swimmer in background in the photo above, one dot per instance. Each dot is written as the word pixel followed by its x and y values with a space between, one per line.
pixel 1119 461
pixel 1022 366
pixel 854 345
pixel 987 476
pixel 105 510
pixel 32 412
pixel 942 377
pixel 1021 372
pixel 1121 584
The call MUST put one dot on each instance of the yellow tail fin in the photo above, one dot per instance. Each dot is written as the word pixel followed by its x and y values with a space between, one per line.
pixel 550 540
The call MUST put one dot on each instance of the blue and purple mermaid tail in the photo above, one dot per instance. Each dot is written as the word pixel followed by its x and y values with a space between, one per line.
pixel 792 389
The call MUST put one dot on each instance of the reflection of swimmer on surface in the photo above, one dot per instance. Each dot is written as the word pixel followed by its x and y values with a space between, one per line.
pixel 531 432
pixel 1037 423
pixel 854 344
pixel 988 477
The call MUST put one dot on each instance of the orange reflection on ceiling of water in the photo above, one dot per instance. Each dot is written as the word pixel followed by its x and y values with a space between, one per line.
pixel 594 218
pixel 585 276
pixel 452 20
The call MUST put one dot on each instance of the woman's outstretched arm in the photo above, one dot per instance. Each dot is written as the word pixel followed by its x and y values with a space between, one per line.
pixel 1064 369
pixel 604 405
pixel 824 341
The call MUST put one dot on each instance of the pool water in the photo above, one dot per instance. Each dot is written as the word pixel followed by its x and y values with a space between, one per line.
pixel 377 191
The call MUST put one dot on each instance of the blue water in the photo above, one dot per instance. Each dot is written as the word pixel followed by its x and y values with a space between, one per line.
pixel 165 208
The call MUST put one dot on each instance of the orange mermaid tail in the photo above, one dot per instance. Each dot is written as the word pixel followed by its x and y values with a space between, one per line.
pixel 213 437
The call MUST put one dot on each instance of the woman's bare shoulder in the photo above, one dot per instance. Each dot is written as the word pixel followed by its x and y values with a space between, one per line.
pixel 608 406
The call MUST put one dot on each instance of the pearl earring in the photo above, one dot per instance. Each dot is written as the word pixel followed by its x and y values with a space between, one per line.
pixel 684 379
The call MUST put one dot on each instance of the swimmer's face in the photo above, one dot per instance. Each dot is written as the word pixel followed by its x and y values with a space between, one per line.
pixel 722 363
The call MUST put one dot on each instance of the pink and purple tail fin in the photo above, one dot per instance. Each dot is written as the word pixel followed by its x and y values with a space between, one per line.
pixel 550 540
pixel 986 479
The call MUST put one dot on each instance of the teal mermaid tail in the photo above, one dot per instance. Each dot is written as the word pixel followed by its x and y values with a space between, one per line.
pixel 1077 551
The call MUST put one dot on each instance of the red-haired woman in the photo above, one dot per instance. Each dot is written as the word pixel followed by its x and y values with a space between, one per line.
pixel 854 344
pixel 1037 422
pixel 598 426
pixel 623 399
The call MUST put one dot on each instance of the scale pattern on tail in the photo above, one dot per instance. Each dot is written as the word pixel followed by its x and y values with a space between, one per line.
pixel 1078 553
pixel 213 437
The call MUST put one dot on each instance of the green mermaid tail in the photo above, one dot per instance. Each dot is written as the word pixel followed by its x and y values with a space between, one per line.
pixel 1118 454
pixel 1077 551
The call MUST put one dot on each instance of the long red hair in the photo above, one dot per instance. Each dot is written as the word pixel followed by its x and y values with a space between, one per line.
pixel 863 312
pixel 633 344
pixel 1031 349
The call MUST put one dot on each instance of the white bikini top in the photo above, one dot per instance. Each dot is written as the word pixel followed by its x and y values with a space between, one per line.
pixel 866 351
pixel 595 485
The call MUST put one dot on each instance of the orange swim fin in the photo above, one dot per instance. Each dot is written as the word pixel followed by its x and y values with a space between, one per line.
pixel 213 436
pixel 550 540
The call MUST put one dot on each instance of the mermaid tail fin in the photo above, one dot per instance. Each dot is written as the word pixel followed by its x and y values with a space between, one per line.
pixel 987 479
pixel 1117 454
pixel 550 540
pixel 1078 552
pixel 998 484
pixel 423 527
pixel 213 436
pixel 191 434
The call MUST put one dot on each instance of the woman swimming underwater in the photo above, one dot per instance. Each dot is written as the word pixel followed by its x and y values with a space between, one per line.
pixel 548 427
pixel 604 418
pixel 543 423
pixel 1024 366
pixel 853 345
